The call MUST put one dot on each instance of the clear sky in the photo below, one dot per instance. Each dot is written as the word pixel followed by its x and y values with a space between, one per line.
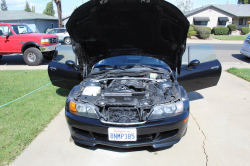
pixel 68 6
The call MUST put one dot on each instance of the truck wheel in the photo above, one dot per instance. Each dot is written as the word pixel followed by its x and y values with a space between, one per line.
pixel 32 56
pixel 67 40
pixel 1 56
pixel 48 55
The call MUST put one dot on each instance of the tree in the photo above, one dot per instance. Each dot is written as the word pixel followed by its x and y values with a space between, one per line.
pixel 27 7
pixel 185 5
pixel 49 9
pixel 4 6
pixel 33 9
pixel 59 12
pixel 243 2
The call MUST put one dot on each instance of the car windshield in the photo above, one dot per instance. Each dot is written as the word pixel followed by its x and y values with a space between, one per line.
pixel 128 61
pixel 21 29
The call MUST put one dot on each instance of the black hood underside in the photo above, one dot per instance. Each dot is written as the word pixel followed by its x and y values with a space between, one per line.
pixel 108 28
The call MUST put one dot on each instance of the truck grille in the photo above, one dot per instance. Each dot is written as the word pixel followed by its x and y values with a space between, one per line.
pixel 53 40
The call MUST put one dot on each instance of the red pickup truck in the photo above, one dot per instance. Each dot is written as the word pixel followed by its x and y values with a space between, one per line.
pixel 19 38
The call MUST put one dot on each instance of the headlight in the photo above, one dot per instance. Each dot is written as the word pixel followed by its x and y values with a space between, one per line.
pixel 86 110
pixel 44 41
pixel 165 111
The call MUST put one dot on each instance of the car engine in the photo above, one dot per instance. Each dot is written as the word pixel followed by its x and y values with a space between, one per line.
pixel 128 99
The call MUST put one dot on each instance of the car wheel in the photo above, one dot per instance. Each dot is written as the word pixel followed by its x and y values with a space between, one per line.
pixel 48 55
pixel 67 40
pixel 1 56
pixel 33 56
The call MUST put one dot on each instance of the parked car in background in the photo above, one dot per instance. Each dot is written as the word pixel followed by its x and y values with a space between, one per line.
pixel 245 50
pixel 62 34
pixel 19 38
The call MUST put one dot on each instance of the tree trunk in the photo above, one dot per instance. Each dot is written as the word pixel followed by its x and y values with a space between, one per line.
pixel 59 11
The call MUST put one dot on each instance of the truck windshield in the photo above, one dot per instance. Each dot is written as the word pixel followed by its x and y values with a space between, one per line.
pixel 21 29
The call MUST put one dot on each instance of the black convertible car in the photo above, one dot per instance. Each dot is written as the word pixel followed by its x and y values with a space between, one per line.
pixel 129 87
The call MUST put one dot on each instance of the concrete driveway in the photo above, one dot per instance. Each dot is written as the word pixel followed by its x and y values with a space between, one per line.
pixel 218 134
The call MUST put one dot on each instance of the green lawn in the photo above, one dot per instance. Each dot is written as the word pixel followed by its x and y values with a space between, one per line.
pixel 242 73
pixel 228 37
pixel 22 120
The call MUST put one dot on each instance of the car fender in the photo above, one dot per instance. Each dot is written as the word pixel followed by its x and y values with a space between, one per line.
pixel 29 44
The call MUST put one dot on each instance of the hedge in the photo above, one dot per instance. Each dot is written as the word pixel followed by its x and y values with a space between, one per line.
pixel 203 33
pixel 190 29
pixel 191 33
pixel 232 27
pixel 198 27
pixel 220 30
pixel 245 30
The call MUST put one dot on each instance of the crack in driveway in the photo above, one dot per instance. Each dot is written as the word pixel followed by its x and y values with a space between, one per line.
pixel 203 140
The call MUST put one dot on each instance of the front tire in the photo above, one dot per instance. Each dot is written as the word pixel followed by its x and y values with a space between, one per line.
pixel 32 56
pixel 67 40
pixel 48 55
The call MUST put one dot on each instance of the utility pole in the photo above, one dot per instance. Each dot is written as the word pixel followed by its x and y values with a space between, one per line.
pixel 82 1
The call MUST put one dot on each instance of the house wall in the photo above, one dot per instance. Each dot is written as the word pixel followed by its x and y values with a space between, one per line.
pixel 236 22
pixel 43 25
pixel 65 21
pixel 213 15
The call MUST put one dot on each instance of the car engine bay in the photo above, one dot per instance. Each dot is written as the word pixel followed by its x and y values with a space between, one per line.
pixel 123 99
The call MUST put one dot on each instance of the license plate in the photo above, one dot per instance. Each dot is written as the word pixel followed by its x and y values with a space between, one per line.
pixel 122 134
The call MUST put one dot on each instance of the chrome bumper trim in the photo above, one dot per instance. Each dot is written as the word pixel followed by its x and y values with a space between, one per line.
pixel 50 48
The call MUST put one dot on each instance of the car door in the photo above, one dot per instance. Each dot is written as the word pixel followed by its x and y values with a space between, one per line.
pixel 8 44
pixel 204 75
pixel 62 75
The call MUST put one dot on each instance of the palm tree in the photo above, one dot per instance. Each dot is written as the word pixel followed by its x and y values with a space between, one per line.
pixel 59 12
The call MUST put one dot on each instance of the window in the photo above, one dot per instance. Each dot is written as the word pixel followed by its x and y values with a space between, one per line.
pixel 60 30
pixel 52 31
pixel 200 22
pixel 21 29
pixel 222 22
pixel 242 21
pixel 4 30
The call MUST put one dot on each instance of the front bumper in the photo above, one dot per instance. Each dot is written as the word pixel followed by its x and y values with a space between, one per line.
pixel 158 133
pixel 50 48
pixel 244 52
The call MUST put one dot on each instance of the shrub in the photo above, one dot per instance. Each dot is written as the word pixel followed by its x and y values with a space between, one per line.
pixel 190 29
pixel 232 27
pixel 203 33
pixel 220 30
pixel 192 26
pixel 198 27
pixel 191 33
pixel 245 30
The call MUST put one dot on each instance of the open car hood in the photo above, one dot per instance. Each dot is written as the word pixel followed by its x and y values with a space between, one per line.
pixel 108 28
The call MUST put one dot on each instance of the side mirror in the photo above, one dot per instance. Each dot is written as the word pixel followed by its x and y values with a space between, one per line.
pixel 70 63
pixel 192 64
pixel 6 34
